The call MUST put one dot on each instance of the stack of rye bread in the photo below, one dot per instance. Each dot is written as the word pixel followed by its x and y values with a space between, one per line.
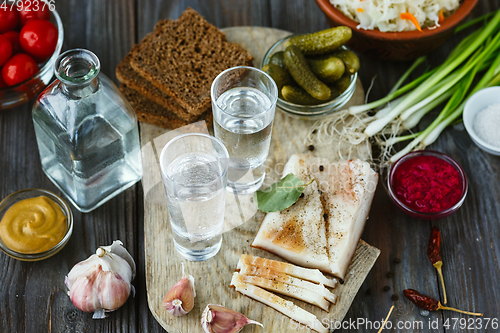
pixel 167 77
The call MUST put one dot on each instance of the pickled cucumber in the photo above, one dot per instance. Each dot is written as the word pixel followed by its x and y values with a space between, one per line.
pixel 321 42
pixel 343 83
pixel 297 95
pixel 298 68
pixel 277 59
pixel 327 68
pixel 279 75
pixel 350 59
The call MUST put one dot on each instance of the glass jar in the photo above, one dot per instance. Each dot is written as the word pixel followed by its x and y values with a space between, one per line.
pixel 87 133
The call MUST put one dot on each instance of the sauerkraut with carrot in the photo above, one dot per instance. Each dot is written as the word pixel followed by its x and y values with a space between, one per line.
pixel 396 15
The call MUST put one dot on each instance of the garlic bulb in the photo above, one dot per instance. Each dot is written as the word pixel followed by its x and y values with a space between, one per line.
pixel 180 298
pixel 218 319
pixel 102 283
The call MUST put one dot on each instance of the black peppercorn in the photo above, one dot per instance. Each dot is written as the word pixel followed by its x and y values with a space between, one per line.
pixel 311 147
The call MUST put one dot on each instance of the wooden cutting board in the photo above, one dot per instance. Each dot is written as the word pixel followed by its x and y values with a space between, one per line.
pixel 212 277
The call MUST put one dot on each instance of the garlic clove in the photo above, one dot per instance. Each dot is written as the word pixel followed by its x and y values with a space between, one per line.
pixel 180 298
pixel 219 319
pixel 118 249
pixel 113 292
pixel 83 290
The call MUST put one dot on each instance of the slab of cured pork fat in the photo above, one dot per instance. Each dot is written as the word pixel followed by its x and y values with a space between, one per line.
pixel 322 229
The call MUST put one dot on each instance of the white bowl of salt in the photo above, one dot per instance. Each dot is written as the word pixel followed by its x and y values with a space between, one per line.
pixel 482 119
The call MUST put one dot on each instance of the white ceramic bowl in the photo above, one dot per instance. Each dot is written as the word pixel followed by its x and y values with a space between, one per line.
pixel 480 101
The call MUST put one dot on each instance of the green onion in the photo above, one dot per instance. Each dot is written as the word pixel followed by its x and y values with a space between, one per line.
pixel 475 59
pixel 407 73
pixel 442 71
pixel 415 118
pixel 474 21
pixel 362 108
pixel 455 106
pixel 397 139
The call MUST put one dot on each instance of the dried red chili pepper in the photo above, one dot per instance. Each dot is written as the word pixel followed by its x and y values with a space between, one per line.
pixel 434 254
pixel 429 303
pixel 422 301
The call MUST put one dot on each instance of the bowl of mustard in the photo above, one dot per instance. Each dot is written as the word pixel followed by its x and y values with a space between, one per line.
pixel 35 224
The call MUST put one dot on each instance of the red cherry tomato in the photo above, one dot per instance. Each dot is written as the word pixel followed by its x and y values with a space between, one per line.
pixel 8 18
pixel 5 50
pixel 34 9
pixel 13 37
pixel 18 69
pixel 39 38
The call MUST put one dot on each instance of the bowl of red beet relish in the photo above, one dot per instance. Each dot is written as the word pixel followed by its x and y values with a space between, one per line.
pixel 427 184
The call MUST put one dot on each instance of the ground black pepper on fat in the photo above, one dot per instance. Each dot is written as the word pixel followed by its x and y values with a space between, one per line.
pixel 311 147
pixel 321 168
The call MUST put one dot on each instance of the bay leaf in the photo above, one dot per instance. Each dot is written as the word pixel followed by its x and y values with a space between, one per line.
pixel 280 195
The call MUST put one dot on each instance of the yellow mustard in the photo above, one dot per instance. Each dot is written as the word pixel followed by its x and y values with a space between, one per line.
pixel 33 225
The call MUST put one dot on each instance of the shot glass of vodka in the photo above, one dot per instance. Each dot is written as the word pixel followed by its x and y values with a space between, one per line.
pixel 194 170
pixel 243 104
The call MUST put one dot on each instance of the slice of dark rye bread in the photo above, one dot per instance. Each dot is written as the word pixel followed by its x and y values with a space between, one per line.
pixel 185 56
pixel 149 112
pixel 126 75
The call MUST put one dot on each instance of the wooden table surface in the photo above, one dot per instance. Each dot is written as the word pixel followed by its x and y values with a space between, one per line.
pixel 33 295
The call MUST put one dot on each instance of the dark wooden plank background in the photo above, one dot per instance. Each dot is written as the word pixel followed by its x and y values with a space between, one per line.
pixel 33 295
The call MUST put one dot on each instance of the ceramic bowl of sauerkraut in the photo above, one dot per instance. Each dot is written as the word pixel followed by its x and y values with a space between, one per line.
pixel 397 29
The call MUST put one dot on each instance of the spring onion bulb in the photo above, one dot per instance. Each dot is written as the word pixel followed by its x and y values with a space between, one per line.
pixel 440 89
pixel 415 118
pixel 383 112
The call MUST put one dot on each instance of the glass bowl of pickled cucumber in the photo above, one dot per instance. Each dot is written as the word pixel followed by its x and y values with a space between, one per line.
pixel 307 95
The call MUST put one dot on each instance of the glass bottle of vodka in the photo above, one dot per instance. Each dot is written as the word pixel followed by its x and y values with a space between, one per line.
pixel 87 133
